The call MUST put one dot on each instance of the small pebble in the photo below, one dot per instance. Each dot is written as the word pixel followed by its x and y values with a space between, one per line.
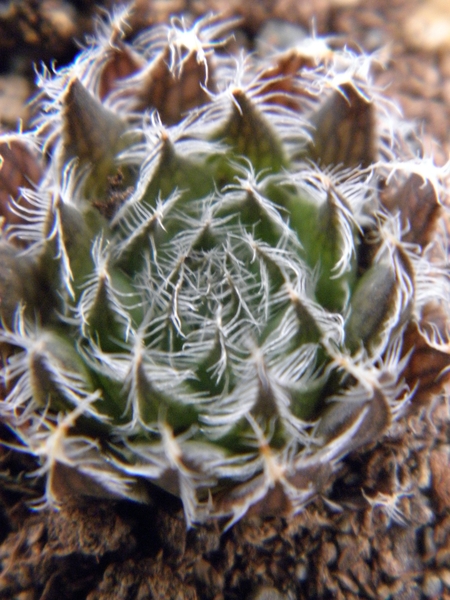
pixel 277 34
pixel 267 593
pixel 428 28
pixel 14 93
pixel 432 586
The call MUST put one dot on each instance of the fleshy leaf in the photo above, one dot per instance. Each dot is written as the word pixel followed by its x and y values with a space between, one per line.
pixel 251 135
pixel 93 135
pixel 344 130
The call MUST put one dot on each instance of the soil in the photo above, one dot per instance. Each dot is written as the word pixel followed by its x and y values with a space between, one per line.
pixel 383 530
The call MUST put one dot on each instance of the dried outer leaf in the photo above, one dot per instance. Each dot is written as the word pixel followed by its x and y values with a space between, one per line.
pixel 418 205
pixel 375 417
pixel 345 131
pixel 122 62
pixel 19 167
pixel 173 95
pixel 429 366
pixel 312 470
pixel 257 497
pixel 68 483
pixel 275 502
pixel 284 78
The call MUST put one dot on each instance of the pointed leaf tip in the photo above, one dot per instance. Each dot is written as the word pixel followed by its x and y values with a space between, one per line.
pixel 345 130
pixel 90 132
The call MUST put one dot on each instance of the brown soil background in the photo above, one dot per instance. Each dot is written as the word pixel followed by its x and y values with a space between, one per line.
pixel 358 547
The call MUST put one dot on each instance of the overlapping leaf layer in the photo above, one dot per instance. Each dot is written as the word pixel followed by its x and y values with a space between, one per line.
pixel 218 272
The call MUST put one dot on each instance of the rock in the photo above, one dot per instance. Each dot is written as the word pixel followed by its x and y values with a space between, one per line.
pixel 428 27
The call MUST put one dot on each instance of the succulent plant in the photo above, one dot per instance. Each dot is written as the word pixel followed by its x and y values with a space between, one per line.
pixel 220 272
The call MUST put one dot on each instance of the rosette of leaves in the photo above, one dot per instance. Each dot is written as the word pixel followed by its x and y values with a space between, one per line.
pixel 219 272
